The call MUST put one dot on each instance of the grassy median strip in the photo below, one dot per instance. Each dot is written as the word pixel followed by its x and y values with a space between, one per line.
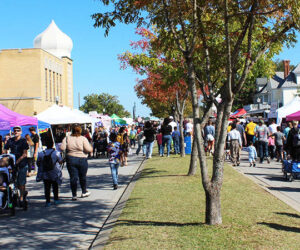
pixel 166 211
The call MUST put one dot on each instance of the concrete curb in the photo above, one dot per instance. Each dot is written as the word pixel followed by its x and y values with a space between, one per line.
pixel 102 236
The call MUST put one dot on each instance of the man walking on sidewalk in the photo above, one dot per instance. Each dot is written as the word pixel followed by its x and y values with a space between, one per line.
pixel 234 137
pixel 262 134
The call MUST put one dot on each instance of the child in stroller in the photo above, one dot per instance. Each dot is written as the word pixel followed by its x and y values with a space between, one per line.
pixel 101 144
pixel 7 198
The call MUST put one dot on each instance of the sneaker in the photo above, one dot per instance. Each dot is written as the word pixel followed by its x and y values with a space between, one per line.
pixel 234 165
pixel 74 198
pixel 86 194
pixel 238 164
pixel 57 202
pixel 268 160
pixel 48 204
pixel 149 157
pixel 250 165
pixel 254 164
pixel 115 186
pixel 161 155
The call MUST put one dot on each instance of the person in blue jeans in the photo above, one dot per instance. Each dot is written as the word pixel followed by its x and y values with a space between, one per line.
pixel 113 150
pixel 78 148
pixel 176 140
pixel 166 131
pixel 149 133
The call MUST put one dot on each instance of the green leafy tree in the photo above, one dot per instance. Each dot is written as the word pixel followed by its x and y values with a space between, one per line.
pixel 104 102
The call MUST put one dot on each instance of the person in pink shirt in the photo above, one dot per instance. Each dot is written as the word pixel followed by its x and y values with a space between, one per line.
pixel 271 142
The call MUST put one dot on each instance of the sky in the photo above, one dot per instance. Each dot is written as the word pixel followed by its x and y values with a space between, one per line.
pixel 96 68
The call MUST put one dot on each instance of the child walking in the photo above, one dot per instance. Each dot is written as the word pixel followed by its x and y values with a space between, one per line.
pixel 113 150
pixel 49 170
pixel 252 154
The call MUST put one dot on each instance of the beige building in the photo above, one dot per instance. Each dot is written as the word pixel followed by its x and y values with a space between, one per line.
pixel 31 80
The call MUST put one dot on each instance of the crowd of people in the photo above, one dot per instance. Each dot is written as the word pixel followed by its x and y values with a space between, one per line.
pixel 272 142
pixel 76 146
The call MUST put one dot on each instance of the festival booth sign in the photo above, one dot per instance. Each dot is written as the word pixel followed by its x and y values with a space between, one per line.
pixel 294 117
pixel 288 109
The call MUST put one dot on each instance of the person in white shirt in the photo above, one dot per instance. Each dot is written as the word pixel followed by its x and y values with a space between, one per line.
pixel 172 123
pixel 273 127
pixel 234 137
pixel 189 128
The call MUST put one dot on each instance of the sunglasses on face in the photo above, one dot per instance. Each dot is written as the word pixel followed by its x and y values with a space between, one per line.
pixel 16 131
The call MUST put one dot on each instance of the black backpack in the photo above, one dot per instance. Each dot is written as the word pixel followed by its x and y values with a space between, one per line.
pixel 48 164
pixel 296 138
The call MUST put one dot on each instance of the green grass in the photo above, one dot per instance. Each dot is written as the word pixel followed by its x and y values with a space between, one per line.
pixel 166 211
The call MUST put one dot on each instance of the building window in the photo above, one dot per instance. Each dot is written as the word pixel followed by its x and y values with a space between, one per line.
pixel 50 86
pixel 57 87
pixel 46 85
pixel 54 97
pixel 60 84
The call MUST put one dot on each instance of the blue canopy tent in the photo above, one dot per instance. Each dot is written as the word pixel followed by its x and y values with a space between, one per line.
pixel 5 127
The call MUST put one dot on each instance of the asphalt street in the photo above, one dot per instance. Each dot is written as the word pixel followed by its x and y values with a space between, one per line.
pixel 71 224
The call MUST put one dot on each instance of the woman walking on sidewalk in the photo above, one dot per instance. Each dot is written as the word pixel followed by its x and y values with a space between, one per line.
pixel 49 170
pixel 78 148
pixel 113 150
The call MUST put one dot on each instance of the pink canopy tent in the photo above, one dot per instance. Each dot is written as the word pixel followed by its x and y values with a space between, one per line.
pixel 16 119
pixel 294 117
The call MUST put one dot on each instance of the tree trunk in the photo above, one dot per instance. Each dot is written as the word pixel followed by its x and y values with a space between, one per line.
pixel 182 151
pixel 193 161
pixel 213 214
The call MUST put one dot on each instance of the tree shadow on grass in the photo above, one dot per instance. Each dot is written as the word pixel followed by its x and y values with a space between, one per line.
pixel 157 223
pixel 289 214
pixel 280 227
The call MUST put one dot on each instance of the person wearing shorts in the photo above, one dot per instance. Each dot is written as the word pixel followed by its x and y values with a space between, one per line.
pixel 18 146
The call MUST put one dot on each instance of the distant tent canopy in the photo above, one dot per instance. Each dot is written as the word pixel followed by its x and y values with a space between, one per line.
pixel 239 113
pixel 294 117
pixel 117 120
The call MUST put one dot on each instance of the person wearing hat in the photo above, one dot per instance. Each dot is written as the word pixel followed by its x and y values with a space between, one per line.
pixel 18 146
pixel 262 135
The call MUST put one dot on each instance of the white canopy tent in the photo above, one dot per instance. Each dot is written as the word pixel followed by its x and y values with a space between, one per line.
pixel 56 115
pixel 288 109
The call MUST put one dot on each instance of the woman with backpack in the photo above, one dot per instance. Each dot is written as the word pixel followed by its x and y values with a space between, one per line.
pixel 123 139
pixel 77 149
pixel 49 170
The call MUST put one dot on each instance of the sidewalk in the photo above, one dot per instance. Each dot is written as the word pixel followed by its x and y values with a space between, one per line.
pixel 270 177
pixel 72 224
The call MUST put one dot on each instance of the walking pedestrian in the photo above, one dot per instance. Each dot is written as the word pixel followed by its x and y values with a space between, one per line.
pixel 36 142
pixel 271 147
pixel 209 135
pixel 49 170
pixel 18 146
pixel 235 139
pixel 30 152
pixel 113 150
pixel 293 142
pixel 159 142
pixel 149 133
pixel 250 131
pixel 262 133
pixel 176 140
pixel 166 131
pixel 77 149
pixel 140 140
pixel 252 154
pixel 132 136
pixel 279 140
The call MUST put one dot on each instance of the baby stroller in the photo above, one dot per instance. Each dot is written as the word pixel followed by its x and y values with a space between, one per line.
pixel 292 168
pixel 101 145
pixel 11 197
